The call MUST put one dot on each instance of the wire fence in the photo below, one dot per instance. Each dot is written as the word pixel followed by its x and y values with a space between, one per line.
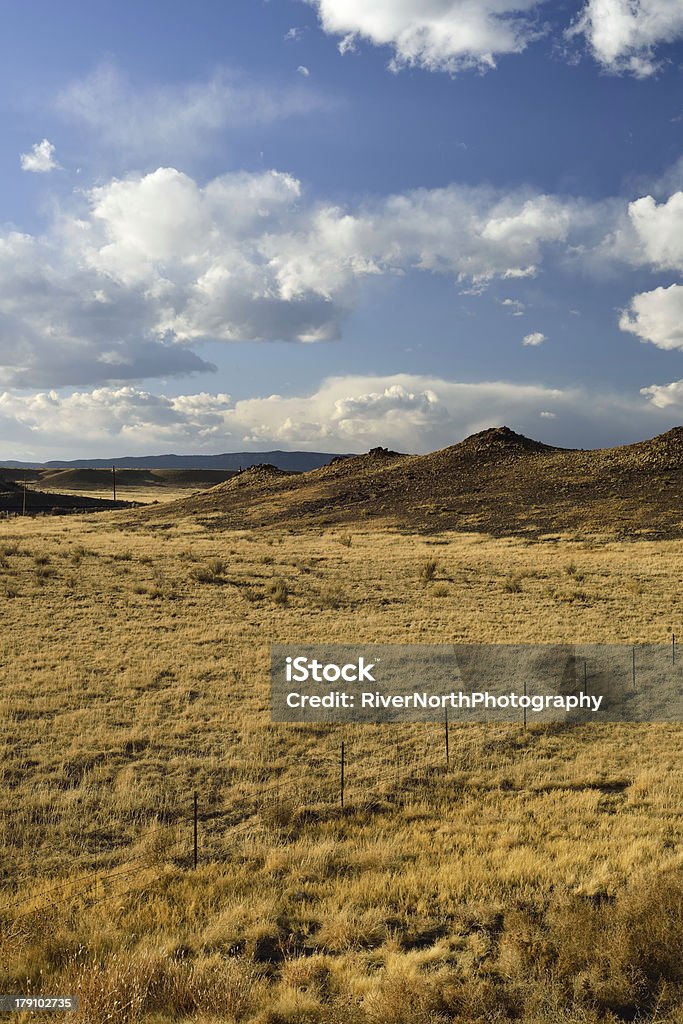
pixel 341 782
pixel 357 774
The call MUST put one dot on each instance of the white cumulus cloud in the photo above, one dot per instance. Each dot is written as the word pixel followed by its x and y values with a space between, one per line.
pixel 664 396
pixel 623 35
pixel 533 339
pixel 440 35
pixel 470 233
pixel 141 268
pixel 515 307
pixel 658 231
pixel 657 317
pixel 646 233
pixel 407 412
pixel 651 235
pixel 41 159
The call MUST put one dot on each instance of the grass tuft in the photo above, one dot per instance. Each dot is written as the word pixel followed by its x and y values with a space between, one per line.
pixel 427 570
pixel 212 571
pixel 278 591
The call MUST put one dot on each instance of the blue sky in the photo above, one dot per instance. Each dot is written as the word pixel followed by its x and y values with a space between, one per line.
pixel 335 224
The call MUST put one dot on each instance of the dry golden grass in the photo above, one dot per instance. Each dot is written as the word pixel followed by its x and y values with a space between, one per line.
pixel 538 879
pixel 143 495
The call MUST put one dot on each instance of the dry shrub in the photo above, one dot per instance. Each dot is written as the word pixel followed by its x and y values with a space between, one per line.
pixel 512 585
pixel 352 929
pixel 212 571
pixel 292 1006
pixel 280 812
pixel 615 956
pixel 126 988
pixel 331 597
pixel 404 995
pixel 625 954
pixel 428 569
pixel 310 973
pixel 278 591
pixel 476 999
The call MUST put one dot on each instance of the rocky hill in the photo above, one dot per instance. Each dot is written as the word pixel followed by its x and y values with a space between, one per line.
pixel 496 481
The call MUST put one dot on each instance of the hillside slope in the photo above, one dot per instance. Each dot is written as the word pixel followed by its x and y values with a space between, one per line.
pixel 496 481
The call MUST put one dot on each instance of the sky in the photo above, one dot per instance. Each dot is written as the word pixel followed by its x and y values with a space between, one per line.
pixel 334 224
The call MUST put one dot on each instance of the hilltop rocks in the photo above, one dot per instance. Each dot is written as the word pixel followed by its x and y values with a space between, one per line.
pixel 346 465
pixel 264 473
pixel 664 452
pixel 500 441
pixel 381 453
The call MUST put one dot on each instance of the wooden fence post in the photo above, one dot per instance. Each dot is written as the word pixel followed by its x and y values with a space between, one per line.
pixel 194 831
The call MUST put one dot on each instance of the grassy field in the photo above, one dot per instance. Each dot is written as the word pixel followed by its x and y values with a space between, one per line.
pixel 145 495
pixel 538 879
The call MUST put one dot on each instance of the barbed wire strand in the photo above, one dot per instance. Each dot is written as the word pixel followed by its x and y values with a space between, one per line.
pixel 125 870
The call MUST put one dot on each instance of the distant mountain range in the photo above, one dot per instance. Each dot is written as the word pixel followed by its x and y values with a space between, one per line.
pixel 293 462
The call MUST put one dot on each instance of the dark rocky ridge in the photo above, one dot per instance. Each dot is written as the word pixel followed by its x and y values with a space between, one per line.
pixel 495 481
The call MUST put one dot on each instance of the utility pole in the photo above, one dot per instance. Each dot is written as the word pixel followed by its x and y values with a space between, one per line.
pixel 113 477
